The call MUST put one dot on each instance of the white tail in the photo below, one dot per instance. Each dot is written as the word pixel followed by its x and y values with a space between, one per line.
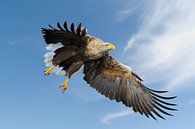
pixel 49 57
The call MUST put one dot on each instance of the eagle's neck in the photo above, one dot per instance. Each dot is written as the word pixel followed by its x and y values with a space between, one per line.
pixel 95 49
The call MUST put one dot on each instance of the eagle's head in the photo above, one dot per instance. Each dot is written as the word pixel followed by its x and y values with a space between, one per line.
pixel 96 48
pixel 98 44
pixel 110 46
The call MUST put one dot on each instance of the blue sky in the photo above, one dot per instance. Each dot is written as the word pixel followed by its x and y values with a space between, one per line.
pixel 155 38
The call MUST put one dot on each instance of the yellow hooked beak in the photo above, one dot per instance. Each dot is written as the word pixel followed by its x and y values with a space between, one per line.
pixel 111 47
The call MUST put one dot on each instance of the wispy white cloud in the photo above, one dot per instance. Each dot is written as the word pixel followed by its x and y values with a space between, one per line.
pixel 192 102
pixel 125 13
pixel 164 44
pixel 188 103
pixel 18 41
pixel 112 116
pixel 128 9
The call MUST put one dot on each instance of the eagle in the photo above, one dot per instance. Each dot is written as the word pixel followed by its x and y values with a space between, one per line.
pixel 71 48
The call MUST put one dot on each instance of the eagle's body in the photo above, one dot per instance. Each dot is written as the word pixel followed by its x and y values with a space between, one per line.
pixel 71 49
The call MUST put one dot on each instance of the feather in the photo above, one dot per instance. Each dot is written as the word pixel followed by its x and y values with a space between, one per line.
pixel 52 27
pixel 83 33
pixel 78 31
pixel 72 28
pixel 130 91
pixel 65 26
pixel 59 26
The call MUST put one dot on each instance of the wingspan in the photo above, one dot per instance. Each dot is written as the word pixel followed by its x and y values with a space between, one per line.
pixel 118 82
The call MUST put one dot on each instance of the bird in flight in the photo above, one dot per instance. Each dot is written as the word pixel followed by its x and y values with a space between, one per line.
pixel 71 48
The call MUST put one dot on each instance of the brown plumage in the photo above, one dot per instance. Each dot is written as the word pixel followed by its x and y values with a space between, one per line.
pixel 117 82
pixel 102 72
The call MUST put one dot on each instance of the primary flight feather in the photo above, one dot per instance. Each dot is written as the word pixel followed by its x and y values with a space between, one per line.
pixel 72 48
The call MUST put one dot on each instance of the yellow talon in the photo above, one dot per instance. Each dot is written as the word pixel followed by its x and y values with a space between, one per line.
pixel 49 70
pixel 64 85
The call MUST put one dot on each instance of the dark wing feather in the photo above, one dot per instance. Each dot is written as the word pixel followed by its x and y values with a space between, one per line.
pixel 119 83
pixel 59 26
pixel 63 35
pixel 84 32
pixel 72 28
pixel 78 31
pixel 65 26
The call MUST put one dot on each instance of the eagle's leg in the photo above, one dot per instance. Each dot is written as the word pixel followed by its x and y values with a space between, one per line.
pixel 64 85
pixel 49 70
pixel 71 70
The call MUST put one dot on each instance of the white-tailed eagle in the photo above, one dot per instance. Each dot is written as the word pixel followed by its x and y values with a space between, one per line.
pixel 72 48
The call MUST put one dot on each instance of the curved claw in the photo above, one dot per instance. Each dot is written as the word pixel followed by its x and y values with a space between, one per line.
pixel 64 85
pixel 49 70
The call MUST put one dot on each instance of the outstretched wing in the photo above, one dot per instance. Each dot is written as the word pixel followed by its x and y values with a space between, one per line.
pixel 73 37
pixel 63 43
pixel 118 82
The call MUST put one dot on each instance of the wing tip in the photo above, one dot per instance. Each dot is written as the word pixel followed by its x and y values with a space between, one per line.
pixel 79 31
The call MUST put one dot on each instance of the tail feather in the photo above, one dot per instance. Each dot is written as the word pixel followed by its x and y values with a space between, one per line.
pixel 49 57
